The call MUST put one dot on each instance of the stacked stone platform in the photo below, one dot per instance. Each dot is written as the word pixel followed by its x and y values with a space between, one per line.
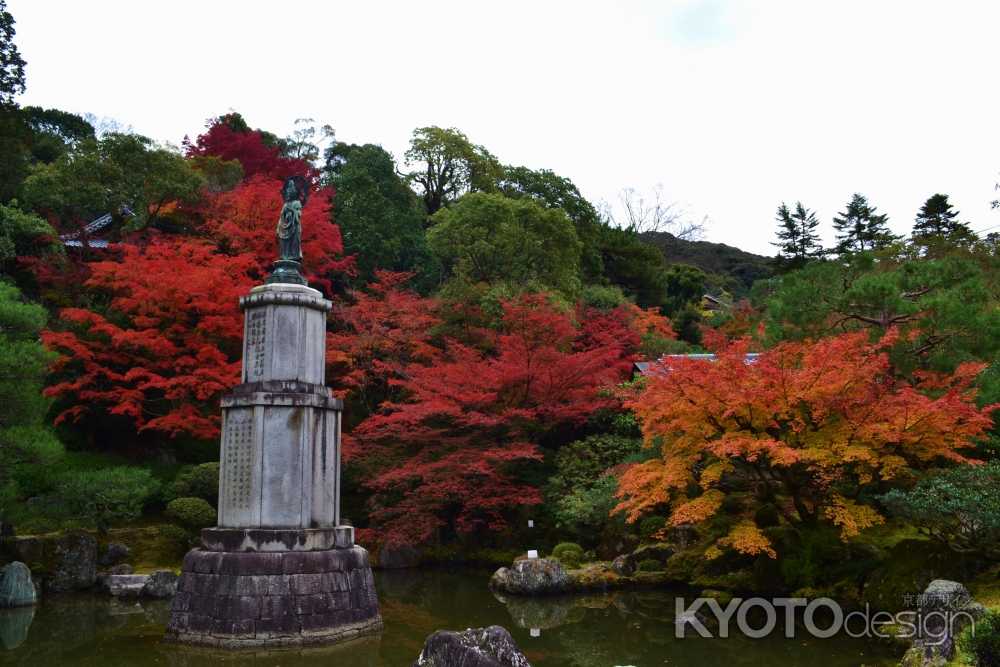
pixel 284 598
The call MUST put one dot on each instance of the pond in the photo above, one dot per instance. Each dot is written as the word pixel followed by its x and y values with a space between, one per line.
pixel 616 628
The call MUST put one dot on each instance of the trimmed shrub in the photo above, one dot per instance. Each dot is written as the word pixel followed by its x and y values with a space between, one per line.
pixel 200 481
pixel 569 554
pixel 105 497
pixel 980 642
pixel 650 565
pixel 194 513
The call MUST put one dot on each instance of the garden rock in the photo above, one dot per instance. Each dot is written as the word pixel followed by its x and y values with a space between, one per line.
pixel 126 585
pixel 945 608
pixel 161 584
pixel 532 576
pixel 476 647
pixel 114 554
pixel 623 565
pixel 16 587
pixel 75 566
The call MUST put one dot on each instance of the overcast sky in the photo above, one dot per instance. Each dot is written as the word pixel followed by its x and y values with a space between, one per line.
pixel 732 106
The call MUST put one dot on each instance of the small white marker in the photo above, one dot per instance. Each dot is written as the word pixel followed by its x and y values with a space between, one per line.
pixel 535 632
pixel 531 523
pixel 532 553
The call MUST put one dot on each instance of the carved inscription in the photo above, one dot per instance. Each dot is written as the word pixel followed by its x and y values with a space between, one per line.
pixel 238 458
pixel 256 333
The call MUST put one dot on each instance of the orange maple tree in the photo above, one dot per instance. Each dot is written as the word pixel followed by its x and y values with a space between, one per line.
pixel 814 426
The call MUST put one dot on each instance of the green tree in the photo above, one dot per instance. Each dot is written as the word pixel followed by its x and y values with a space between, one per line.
pixel 23 234
pixel 936 225
pixel 117 174
pixel 959 507
pixel 860 228
pixel 11 62
pixel 638 268
pixel 554 191
pixel 447 165
pixel 945 308
pixel 798 241
pixel 380 219
pixel 494 239
pixel 24 437
pixel 54 132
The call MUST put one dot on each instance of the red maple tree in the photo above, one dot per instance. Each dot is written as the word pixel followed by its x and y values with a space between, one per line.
pixel 451 448
pixel 168 345
pixel 228 138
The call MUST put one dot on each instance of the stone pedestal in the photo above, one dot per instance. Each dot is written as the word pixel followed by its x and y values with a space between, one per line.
pixel 278 570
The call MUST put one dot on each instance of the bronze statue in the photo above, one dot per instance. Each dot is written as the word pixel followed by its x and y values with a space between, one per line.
pixel 287 269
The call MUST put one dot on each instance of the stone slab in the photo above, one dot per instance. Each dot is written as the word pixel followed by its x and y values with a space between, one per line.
pixel 284 334
pixel 279 461
pixel 273 540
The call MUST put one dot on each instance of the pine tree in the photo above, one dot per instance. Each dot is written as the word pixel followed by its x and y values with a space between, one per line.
pixel 798 241
pixel 936 224
pixel 860 228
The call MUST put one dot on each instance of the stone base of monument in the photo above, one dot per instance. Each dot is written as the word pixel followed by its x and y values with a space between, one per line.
pixel 301 594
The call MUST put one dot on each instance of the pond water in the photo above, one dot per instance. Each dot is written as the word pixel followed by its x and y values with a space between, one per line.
pixel 617 628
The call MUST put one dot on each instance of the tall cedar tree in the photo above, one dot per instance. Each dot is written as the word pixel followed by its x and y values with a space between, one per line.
pixel 860 228
pixel 450 450
pixel 936 224
pixel 817 425
pixel 11 62
pixel 798 241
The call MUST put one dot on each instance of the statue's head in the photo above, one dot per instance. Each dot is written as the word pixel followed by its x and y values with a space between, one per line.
pixel 295 188
pixel 290 190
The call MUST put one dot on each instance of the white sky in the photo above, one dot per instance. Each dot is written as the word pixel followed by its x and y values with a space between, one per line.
pixel 732 106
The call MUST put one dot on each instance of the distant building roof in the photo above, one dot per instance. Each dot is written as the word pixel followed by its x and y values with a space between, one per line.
pixel 647 367
pixel 75 239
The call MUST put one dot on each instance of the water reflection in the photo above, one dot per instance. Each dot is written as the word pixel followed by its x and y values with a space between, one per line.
pixel 14 624
pixel 619 628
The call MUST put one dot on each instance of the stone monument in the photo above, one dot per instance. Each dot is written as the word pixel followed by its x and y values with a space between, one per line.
pixel 279 569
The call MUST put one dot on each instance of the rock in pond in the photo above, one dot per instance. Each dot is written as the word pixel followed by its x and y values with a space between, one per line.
pixel 161 584
pixel 16 587
pixel 531 576
pixel 476 647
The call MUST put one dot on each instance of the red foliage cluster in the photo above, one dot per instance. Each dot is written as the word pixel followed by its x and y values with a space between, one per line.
pixel 249 147
pixel 169 344
pixel 378 334
pixel 451 447
pixel 243 221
